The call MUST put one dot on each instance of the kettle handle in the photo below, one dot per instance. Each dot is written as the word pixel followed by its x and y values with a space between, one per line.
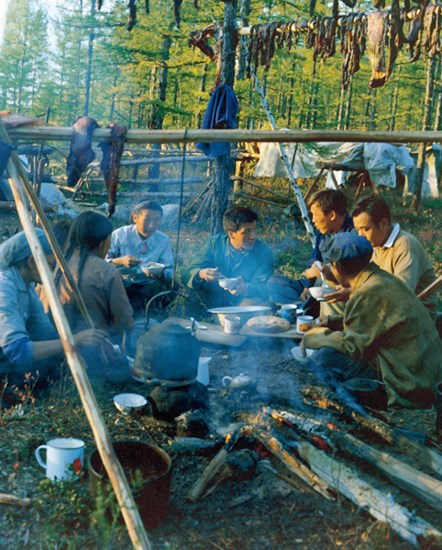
pixel 226 381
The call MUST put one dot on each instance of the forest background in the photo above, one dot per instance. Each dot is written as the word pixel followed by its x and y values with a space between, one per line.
pixel 151 78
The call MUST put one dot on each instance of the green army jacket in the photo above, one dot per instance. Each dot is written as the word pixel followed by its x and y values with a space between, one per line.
pixel 386 324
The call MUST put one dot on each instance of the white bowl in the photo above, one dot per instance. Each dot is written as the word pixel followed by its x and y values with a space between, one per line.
pixel 128 403
pixel 228 284
pixel 243 312
pixel 320 292
pixel 152 268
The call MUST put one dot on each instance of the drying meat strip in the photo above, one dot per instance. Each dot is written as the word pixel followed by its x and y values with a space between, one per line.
pixel 376 36
pixel 432 29
pixel 414 37
pixel 132 15
pixel 80 152
pixel 199 39
pixel 110 163
pixel 352 32
pixel 262 43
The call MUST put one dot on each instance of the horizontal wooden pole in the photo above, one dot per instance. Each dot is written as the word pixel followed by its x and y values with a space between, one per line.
pixel 54 133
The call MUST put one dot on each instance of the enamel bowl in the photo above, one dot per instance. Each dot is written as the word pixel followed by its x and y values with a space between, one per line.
pixel 243 312
pixel 153 268
pixel 128 403
pixel 320 292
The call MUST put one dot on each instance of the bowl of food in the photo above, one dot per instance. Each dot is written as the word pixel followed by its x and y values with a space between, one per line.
pixel 152 268
pixel 128 403
pixel 228 283
pixel 320 292
pixel 243 312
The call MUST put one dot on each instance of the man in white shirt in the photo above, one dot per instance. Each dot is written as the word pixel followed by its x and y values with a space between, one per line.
pixel 139 244
pixel 395 250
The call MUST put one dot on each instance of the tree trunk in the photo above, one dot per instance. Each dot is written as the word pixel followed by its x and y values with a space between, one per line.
pixel 372 121
pixel 426 122
pixel 112 106
pixel 244 12
pixel 223 165
pixel 348 105
pixel 157 116
pixel 290 102
pixel 90 53
pixel 394 100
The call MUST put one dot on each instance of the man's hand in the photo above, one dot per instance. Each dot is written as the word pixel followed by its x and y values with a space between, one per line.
pixel 341 294
pixel 312 272
pixel 305 294
pixel 241 288
pixel 90 337
pixel 126 261
pixel 210 274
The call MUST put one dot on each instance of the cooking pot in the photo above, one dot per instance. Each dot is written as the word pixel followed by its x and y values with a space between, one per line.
pixel 168 352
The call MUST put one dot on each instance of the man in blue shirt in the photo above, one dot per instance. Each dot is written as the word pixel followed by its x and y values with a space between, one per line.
pixel 141 244
pixel 329 215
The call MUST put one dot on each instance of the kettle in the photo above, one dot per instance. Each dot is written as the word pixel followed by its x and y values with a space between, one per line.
pixel 168 351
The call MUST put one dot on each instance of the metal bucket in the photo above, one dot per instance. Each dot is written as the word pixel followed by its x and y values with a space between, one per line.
pixel 139 460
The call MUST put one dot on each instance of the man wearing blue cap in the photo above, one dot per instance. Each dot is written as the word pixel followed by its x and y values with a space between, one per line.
pixel 28 341
pixel 385 332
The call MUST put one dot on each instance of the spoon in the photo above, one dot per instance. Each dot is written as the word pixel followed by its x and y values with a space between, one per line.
pixel 319 266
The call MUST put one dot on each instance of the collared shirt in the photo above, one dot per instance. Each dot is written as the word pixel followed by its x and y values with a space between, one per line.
pixel 403 256
pixel 156 248
pixel 22 318
pixel 386 324
pixel 255 266
pixel 392 237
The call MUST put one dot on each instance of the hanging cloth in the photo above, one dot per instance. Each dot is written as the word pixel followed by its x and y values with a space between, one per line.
pixel 221 114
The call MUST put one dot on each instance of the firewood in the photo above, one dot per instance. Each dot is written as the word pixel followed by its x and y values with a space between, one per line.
pixel 379 505
pixel 430 457
pixel 214 467
pixel 14 501
pixel 276 448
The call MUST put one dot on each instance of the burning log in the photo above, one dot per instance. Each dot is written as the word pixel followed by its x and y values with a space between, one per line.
pixel 426 488
pixel 14 501
pixel 430 457
pixel 300 470
pixel 382 507
pixel 213 469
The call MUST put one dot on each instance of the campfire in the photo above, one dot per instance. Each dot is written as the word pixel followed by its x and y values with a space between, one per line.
pixel 323 442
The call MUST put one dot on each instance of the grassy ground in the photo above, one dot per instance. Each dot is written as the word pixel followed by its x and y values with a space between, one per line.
pixel 66 515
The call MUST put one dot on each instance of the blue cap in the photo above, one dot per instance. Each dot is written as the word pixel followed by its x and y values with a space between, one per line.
pixel 349 246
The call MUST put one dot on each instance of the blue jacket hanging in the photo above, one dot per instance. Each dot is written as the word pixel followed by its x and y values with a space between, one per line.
pixel 221 114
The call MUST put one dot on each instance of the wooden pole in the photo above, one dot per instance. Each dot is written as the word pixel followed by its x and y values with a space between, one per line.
pixel 116 474
pixel 44 133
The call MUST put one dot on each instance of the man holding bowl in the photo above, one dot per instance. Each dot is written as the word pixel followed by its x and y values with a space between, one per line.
pixel 386 333
pixel 232 268
pixel 137 248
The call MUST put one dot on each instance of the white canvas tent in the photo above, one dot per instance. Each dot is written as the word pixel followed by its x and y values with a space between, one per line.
pixel 432 172
pixel 381 160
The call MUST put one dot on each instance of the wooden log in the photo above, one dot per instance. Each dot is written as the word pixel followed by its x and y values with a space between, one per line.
pixel 126 195
pixel 163 160
pixel 212 470
pixel 430 457
pixel 294 466
pixel 379 505
pixel 430 288
pixel 11 206
pixel 425 487
pixel 14 501
pixel 48 133
pixel 116 474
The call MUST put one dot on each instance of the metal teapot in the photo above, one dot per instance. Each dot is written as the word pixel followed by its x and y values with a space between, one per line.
pixel 168 351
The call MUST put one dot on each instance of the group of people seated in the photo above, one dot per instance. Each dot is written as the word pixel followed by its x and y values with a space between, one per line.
pixel 372 324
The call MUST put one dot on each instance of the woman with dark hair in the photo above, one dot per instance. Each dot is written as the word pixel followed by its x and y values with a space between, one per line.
pixel 99 282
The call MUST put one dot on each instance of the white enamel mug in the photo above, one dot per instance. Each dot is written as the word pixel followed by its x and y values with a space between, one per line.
pixel 64 458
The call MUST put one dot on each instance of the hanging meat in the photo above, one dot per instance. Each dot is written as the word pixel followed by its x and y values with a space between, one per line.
pixel 376 35
pixel 352 35
pixel 80 152
pixel 199 39
pixel 110 162
pixel 432 29
pixel 262 44
pixel 414 36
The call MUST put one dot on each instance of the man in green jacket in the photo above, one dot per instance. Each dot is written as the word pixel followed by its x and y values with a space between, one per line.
pixel 385 333
pixel 236 254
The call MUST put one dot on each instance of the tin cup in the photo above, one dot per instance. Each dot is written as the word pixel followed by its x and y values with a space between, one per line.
pixel 288 312
pixel 64 458
pixel 304 323
pixel 232 324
